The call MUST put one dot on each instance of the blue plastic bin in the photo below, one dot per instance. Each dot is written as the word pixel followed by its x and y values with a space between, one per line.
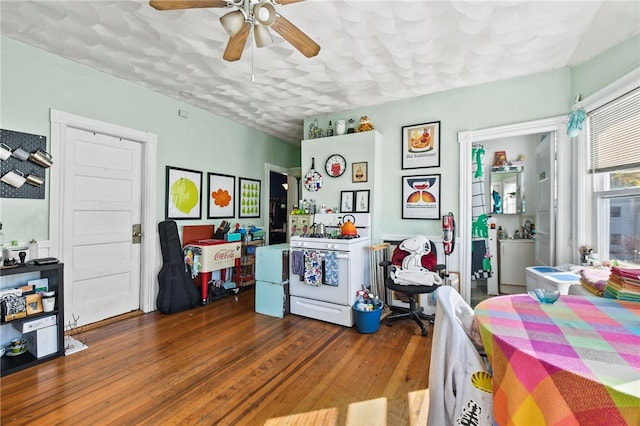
pixel 367 321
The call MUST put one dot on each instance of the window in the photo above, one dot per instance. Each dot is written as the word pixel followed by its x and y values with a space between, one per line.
pixel 620 234
pixel 614 159
pixel 615 212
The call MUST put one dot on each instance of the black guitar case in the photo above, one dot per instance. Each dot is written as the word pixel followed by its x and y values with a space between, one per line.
pixel 176 289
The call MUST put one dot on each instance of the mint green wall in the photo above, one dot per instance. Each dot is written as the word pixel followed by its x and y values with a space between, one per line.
pixel 512 101
pixel 33 81
pixel 598 72
pixel 517 100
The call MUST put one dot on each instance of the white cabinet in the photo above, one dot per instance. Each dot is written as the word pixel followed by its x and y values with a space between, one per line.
pixel 515 256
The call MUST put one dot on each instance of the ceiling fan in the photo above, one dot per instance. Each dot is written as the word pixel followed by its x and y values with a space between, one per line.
pixel 259 15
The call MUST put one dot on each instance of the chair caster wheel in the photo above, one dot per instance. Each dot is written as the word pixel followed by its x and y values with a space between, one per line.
pixel 424 333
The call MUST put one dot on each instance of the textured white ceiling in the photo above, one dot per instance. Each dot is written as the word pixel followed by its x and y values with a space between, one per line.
pixel 373 52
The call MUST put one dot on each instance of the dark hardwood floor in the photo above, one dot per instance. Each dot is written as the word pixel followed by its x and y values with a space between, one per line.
pixel 220 364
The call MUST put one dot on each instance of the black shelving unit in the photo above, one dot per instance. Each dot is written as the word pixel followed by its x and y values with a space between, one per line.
pixel 54 273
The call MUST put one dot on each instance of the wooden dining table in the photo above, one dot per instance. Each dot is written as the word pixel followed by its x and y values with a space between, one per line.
pixel 573 362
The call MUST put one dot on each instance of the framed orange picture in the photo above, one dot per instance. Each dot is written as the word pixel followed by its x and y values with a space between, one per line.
pixel 421 145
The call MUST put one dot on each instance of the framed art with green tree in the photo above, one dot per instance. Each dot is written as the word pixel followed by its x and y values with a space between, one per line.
pixel 249 198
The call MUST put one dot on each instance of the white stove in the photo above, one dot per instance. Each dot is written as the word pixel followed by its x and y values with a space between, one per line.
pixel 330 301
pixel 332 239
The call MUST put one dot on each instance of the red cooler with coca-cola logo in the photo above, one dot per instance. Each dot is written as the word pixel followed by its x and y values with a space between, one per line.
pixel 216 255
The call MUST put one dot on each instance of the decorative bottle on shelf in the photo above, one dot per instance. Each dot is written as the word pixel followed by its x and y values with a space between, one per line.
pixel 501 233
pixel 33 249
pixel 351 129
pixel 330 129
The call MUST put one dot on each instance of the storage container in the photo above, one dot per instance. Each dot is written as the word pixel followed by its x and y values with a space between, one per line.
pixel 43 341
pixel 368 321
pixel 560 281
pixel 272 299
pixel 36 324
pixel 232 236
pixel 534 275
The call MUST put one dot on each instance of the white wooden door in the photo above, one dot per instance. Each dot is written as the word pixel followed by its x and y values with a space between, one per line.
pixel 546 205
pixel 102 202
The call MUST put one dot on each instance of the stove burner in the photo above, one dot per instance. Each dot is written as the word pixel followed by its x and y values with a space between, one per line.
pixel 330 237
pixel 347 237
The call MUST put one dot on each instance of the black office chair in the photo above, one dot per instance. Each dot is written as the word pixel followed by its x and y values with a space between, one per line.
pixel 414 312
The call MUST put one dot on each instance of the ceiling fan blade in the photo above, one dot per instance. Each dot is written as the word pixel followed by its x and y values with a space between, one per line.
pixel 186 4
pixel 296 37
pixel 283 2
pixel 234 49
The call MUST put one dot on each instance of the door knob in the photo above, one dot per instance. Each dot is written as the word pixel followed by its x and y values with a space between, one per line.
pixel 136 235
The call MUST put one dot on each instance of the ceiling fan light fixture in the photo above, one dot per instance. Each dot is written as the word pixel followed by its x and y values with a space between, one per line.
pixel 262 36
pixel 264 13
pixel 232 22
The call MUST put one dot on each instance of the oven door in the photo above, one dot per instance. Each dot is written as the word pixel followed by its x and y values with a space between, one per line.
pixel 340 294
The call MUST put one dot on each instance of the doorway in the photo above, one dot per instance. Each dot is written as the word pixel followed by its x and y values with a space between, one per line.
pixel 278 189
pixel 557 217
pixel 94 246
pixel 285 178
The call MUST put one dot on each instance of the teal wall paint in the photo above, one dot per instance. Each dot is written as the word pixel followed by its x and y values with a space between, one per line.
pixel 33 81
pixel 527 98
pixel 593 75
pixel 517 100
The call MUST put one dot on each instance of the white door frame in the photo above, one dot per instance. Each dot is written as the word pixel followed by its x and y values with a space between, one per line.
pixel 466 140
pixel 60 121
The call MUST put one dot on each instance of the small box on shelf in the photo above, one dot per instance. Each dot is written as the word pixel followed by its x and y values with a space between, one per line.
pixel 36 324
pixel 232 236
pixel 43 342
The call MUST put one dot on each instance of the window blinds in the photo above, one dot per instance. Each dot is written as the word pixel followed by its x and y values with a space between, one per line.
pixel 614 133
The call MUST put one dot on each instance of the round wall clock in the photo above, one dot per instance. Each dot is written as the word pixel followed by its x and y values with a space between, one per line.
pixel 335 165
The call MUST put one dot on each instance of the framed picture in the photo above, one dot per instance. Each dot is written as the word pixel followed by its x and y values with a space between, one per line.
pixel 221 196
pixel 421 197
pixel 183 194
pixel 34 304
pixel 500 159
pixel 421 145
pixel 248 197
pixel 362 201
pixel 346 201
pixel 359 172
